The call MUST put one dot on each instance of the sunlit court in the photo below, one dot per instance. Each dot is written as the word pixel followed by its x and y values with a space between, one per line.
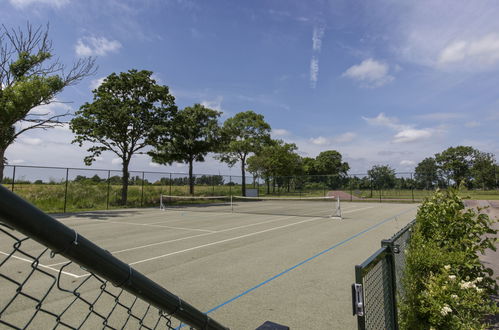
pixel 241 268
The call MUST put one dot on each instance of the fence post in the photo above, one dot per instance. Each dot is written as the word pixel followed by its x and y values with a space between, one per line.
pixel 66 191
pixel 108 188
pixel 13 179
pixel 393 281
pixel 142 194
pixel 351 188
pixel 170 191
pixel 230 185
pixel 412 188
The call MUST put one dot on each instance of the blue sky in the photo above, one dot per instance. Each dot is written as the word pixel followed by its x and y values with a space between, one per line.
pixel 382 81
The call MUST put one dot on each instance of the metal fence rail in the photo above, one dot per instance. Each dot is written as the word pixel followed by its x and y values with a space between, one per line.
pixel 378 283
pixel 109 295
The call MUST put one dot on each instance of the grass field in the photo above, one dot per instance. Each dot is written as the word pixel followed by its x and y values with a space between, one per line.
pixel 54 198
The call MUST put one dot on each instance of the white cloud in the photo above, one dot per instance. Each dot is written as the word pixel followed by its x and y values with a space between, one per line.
pixel 56 107
pixel 406 162
pixel 314 71
pixel 280 132
pixel 152 164
pixel 345 137
pixel 472 54
pixel 31 141
pixel 95 83
pixel 26 3
pixel 370 73
pixel 215 104
pixel 320 141
pixel 93 46
pixel 317 36
pixel 472 123
pixel 405 133
pixel 411 135
pixel 115 161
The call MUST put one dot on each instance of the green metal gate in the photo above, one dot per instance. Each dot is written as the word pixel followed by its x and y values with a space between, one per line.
pixel 378 283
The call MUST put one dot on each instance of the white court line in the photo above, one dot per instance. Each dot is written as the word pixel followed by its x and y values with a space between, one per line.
pixel 153 225
pixel 224 241
pixel 44 266
pixel 215 232
pixel 184 238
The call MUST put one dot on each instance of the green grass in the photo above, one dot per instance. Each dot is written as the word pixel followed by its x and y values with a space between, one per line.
pixel 86 197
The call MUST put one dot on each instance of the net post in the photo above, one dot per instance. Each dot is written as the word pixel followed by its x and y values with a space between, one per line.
pixel 231 204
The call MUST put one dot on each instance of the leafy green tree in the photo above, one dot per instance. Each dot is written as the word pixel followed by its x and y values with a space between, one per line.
pixel 193 134
pixel 278 160
pixel 330 164
pixel 30 77
pixel 426 173
pixel 308 164
pixel 244 134
pixel 382 176
pixel 483 170
pixel 126 109
pixel 456 163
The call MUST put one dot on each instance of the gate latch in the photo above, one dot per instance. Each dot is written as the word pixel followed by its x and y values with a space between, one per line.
pixel 357 299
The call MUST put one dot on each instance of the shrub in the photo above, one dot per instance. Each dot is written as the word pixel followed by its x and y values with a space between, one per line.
pixel 445 285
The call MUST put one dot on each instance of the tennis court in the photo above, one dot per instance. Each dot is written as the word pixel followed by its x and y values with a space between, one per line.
pixel 244 268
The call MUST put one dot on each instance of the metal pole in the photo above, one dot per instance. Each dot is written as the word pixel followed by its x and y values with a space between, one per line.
pixel 13 179
pixel 412 188
pixel 351 188
pixel 66 191
pixel 170 193
pixel 108 188
pixel 230 185
pixel 142 197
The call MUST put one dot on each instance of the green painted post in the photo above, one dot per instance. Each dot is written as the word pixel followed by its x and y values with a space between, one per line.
pixel 108 188
pixel 66 191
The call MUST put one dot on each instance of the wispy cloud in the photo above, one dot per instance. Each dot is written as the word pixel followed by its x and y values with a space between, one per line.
pixel 314 71
pixel 370 73
pixel 25 3
pixel 405 133
pixel 96 46
pixel 317 35
pixel 215 104
pixel 471 54
pixel 339 139
pixel 95 83
pixel 280 132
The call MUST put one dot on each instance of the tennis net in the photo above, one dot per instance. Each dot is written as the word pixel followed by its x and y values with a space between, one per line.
pixel 327 207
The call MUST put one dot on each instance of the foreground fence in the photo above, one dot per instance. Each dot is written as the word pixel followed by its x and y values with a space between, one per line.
pixel 378 283
pixel 108 295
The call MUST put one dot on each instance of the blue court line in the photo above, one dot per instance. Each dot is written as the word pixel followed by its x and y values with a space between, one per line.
pixel 303 262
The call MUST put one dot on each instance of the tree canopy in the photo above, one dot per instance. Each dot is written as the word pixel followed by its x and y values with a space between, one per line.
pixel 382 176
pixel 127 109
pixel 30 77
pixel 193 134
pixel 243 134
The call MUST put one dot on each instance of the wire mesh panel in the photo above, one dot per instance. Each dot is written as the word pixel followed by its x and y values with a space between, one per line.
pixel 34 294
pixel 378 283
pixel 94 290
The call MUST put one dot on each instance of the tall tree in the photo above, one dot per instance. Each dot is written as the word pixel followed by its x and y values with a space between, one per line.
pixel 29 77
pixel 194 133
pixel 277 159
pixel 126 109
pixel 483 170
pixel 456 163
pixel 329 163
pixel 426 173
pixel 382 176
pixel 244 134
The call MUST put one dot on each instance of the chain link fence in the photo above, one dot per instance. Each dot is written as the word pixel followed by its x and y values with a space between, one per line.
pixel 90 288
pixel 378 283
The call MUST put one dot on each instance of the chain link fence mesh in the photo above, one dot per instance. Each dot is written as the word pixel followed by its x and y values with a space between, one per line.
pixel 381 279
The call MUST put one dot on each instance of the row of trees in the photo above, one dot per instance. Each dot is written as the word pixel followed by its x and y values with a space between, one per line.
pixel 458 165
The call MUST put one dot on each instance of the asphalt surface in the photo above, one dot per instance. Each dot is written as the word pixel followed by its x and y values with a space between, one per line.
pixel 244 269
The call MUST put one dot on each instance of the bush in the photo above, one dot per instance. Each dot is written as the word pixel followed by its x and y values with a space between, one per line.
pixel 445 285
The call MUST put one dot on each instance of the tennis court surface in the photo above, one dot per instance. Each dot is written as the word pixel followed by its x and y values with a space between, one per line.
pixel 243 268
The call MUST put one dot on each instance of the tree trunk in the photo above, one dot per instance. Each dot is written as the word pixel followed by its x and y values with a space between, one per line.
pixel 124 183
pixel 243 173
pixel 2 163
pixel 191 179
